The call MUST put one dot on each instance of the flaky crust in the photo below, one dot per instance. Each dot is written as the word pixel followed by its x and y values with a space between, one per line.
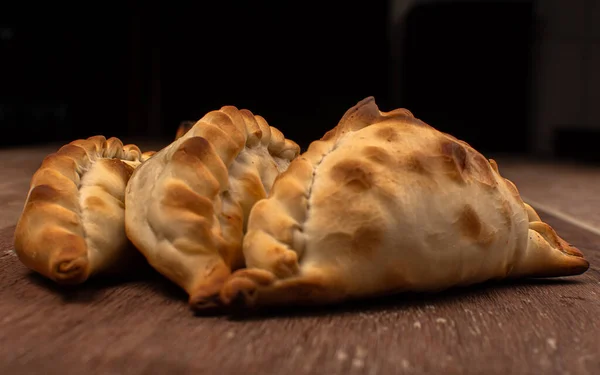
pixel 385 203
pixel 187 206
pixel 72 225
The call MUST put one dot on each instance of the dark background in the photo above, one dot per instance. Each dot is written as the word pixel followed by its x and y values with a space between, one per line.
pixel 136 71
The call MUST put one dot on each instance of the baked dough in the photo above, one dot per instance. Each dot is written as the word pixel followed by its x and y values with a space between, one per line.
pixel 73 223
pixel 384 203
pixel 187 206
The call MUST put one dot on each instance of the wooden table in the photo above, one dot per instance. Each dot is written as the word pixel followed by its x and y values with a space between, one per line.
pixel 142 325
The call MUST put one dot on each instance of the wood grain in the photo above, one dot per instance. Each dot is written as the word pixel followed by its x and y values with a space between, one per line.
pixel 142 325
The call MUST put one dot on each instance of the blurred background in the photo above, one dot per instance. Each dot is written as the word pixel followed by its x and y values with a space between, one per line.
pixel 509 77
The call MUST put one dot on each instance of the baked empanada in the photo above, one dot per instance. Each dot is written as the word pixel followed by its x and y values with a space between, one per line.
pixel 187 206
pixel 385 203
pixel 73 222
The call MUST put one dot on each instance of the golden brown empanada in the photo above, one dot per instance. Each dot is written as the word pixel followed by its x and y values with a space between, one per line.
pixel 385 203
pixel 73 222
pixel 187 206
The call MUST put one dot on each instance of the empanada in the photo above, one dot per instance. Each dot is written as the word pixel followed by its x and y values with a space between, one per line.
pixel 385 203
pixel 187 206
pixel 73 222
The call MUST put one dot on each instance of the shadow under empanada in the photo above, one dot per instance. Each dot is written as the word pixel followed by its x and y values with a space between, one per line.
pixel 94 288
pixel 405 300
pixel 155 283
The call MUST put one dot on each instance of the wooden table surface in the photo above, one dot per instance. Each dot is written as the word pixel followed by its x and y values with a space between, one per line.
pixel 142 325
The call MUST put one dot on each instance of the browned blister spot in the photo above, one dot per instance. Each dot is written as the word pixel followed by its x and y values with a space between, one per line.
pixel 506 212
pixel 367 240
pixel 377 155
pixel 276 251
pixel 454 157
pixel 473 228
pixel 44 193
pixel 45 198
pixel 197 146
pixel 51 213
pixel 353 174
pixel 414 163
pixel 95 203
pixel 188 160
pixel 470 224
pixel 180 196
pixel 455 152
pixel 387 133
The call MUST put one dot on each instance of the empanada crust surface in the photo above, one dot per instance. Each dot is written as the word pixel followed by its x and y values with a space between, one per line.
pixel 385 203
pixel 73 222
pixel 187 207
